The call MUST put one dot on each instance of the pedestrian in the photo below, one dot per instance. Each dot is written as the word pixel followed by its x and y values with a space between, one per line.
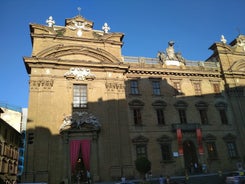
pixel 161 180
pixel 168 180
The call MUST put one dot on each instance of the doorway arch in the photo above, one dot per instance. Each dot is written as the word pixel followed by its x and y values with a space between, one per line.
pixel 190 156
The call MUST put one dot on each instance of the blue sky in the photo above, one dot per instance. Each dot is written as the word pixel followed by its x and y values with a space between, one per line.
pixel 148 25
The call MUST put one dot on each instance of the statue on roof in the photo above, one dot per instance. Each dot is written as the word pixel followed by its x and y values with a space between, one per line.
pixel 170 51
pixel 170 55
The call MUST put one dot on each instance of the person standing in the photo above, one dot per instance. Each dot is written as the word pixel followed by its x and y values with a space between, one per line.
pixel 161 180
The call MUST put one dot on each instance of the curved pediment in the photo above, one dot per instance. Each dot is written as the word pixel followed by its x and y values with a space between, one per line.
pixel 238 66
pixel 78 53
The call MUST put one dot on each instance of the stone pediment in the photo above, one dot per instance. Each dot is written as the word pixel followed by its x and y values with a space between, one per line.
pixel 79 21
pixel 84 53
pixel 238 66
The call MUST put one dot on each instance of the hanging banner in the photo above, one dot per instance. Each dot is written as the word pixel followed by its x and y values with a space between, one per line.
pixel 179 138
pixel 199 141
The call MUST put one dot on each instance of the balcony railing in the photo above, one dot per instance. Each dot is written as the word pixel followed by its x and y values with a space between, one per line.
pixel 132 59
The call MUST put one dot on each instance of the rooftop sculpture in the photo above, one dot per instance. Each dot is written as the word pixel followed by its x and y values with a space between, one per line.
pixel 171 57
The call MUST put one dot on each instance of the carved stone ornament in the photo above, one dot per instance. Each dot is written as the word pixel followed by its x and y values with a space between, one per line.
pixel 78 120
pixel 79 74
pixel 171 57
pixel 112 86
pixel 41 84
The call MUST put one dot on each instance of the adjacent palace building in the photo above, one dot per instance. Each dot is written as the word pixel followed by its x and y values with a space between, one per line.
pixel 93 112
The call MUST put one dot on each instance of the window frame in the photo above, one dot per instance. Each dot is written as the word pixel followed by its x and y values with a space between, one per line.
pixel 134 87
pixel 156 87
pixel 212 150
pixel 231 149
pixel 80 96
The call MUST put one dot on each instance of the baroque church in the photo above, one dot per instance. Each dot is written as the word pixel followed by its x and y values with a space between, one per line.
pixel 92 111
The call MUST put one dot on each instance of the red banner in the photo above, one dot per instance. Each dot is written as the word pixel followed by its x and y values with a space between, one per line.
pixel 179 138
pixel 199 141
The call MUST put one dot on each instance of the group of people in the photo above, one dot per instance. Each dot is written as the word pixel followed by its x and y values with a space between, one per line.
pixel 163 180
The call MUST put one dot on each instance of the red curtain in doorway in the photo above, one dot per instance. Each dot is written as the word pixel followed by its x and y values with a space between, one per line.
pixel 199 141
pixel 86 153
pixel 179 138
pixel 74 153
pixel 75 146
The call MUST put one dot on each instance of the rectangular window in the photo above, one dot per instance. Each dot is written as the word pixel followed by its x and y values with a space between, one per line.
pixel 141 150
pixel 134 88
pixel 156 87
pixel 80 96
pixel 203 116
pixel 223 116
pixel 232 151
pixel 166 152
pixel 177 88
pixel 182 116
pixel 197 88
pixel 160 116
pixel 212 152
pixel 137 116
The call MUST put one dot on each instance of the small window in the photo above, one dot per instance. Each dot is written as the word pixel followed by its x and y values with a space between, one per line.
pixel 141 150
pixel 80 96
pixel 182 116
pixel 232 151
pixel 136 107
pixel 137 116
pixel 156 87
pixel 223 116
pixel 166 152
pixel 134 87
pixel 221 107
pixel 181 106
pixel 203 116
pixel 212 151
pixel 160 116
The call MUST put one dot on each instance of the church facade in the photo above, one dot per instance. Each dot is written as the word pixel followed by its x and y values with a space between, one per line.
pixel 92 111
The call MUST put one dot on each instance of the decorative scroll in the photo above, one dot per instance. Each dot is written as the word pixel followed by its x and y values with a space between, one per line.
pixel 199 141
pixel 179 138
pixel 79 74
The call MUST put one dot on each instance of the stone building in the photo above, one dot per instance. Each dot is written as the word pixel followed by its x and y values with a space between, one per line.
pixel 9 148
pixel 93 109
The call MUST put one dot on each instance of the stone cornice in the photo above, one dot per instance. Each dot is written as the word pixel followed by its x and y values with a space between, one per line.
pixel 79 39
pixel 169 72
pixel 66 65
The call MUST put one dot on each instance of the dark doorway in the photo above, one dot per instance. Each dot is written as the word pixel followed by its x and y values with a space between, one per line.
pixel 190 156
